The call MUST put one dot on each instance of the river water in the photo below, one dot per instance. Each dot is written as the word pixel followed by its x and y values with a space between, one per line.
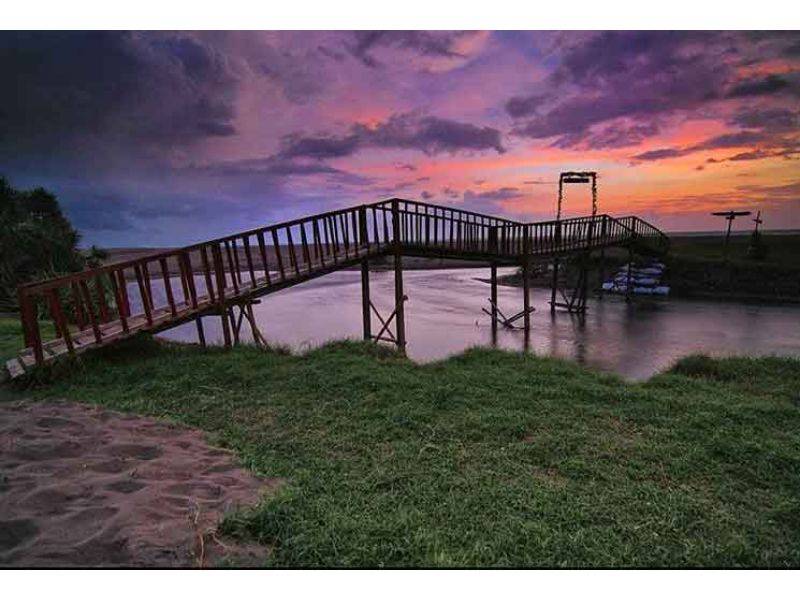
pixel 443 317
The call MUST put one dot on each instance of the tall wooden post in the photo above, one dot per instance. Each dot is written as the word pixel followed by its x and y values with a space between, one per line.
pixel 493 246
pixel 201 335
pixel 399 296
pixel 555 260
pixel 603 234
pixel 554 286
pixel 223 309
pixel 363 238
pixel 494 301
pixel 526 281
pixel 365 308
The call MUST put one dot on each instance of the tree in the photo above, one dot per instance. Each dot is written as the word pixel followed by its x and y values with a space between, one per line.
pixel 36 241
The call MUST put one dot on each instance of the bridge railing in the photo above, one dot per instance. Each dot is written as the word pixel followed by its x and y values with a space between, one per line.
pixel 111 300
pixel 646 233
pixel 100 305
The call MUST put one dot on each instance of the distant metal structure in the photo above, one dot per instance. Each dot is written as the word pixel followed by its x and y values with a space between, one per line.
pixel 730 215
pixel 568 177
pixel 758 221
pixel 575 301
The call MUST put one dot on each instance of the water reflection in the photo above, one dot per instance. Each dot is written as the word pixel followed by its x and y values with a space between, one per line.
pixel 443 317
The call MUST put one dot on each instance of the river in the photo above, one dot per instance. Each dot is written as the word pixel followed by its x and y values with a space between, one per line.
pixel 444 317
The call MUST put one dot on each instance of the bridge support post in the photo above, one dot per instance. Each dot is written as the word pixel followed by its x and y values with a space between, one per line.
pixel 399 296
pixel 602 270
pixel 494 249
pixel 365 307
pixel 554 286
pixel 494 301
pixel 201 335
pixel 526 281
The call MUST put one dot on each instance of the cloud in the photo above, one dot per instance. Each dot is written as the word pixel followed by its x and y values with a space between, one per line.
pixel 495 195
pixel 110 88
pixel 765 145
pixel 771 84
pixel 275 170
pixel 523 106
pixel 618 135
pixel 660 154
pixel 426 43
pixel 768 119
pixel 431 135
pixel 621 74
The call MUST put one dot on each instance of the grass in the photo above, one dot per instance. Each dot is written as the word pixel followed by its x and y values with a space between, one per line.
pixel 485 459
pixel 697 268
pixel 783 250
pixel 11 340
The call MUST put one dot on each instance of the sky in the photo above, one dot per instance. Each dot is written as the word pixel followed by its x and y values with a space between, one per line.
pixel 167 138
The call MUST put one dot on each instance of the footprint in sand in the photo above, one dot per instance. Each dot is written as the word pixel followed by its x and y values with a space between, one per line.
pixel 15 532
pixel 125 486
pixel 138 451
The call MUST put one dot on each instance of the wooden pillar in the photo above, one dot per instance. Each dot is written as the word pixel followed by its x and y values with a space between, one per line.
pixel 219 270
pixel 494 301
pixel 201 336
pixel 365 306
pixel 602 269
pixel 555 286
pixel 526 293
pixel 399 296
pixel 557 249
pixel 494 248
pixel 526 280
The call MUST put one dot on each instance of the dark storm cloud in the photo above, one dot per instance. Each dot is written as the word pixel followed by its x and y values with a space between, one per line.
pixel 731 140
pixel 320 147
pixel 275 171
pixel 428 43
pixel 431 135
pixel 765 145
pixel 640 75
pixel 660 154
pixel 762 86
pixel 768 119
pixel 523 106
pixel 612 136
pixel 158 89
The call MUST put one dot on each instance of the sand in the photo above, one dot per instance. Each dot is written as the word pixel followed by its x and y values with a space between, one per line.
pixel 81 486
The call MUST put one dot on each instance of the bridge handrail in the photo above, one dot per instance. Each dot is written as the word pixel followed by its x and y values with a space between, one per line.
pixel 263 256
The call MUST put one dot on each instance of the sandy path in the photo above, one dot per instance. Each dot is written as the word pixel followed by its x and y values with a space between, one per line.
pixel 84 486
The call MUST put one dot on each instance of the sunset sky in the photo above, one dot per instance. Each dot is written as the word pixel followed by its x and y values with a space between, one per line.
pixel 167 138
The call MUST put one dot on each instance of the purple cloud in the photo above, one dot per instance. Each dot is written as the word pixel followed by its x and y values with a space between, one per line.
pixel 431 135
pixel 762 86
pixel 428 43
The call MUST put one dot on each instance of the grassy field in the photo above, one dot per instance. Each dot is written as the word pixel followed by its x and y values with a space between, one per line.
pixel 782 249
pixel 488 458
pixel 697 268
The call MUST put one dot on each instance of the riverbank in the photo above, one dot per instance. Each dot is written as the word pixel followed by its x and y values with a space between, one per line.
pixel 488 458
pixel 698 269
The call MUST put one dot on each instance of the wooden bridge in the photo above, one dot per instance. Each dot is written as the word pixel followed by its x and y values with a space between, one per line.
pixel 102 306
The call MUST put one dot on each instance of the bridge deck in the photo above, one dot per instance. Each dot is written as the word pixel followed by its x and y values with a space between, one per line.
pixel 101 306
